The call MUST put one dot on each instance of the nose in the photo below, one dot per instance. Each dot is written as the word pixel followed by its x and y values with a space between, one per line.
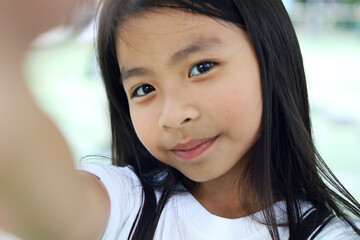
pixel 178 110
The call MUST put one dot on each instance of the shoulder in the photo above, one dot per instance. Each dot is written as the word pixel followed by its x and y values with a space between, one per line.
pixel 126 196
pixel 103 171
pixel 338 229
pixel 117 180
pixel 322 225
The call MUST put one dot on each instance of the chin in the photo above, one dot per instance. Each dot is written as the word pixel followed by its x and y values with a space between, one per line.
pixel 200 178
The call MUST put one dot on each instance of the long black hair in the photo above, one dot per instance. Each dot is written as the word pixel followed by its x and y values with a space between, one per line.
pixel 285 164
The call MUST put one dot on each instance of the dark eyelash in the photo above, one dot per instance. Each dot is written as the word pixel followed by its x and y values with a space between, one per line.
pixel 212 64
pixel 134 93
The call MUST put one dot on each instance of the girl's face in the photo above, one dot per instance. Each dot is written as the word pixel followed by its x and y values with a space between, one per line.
pixel 194 91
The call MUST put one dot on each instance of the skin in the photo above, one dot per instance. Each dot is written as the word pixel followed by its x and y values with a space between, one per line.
pixel 172 103
pixel 23 20
pixel 42 196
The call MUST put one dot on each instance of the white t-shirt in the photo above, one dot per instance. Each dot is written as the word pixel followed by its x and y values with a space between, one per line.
pixel 184 218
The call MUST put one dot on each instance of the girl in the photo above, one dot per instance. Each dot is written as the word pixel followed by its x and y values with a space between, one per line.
pixel 216 91
pixel 210 125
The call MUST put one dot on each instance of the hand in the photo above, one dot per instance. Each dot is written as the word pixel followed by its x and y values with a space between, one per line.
pixel 22 20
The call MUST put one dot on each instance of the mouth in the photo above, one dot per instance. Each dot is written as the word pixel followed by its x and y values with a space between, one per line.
pixel 193 148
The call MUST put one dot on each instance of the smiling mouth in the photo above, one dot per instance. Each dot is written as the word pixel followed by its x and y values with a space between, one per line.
pixel 193 149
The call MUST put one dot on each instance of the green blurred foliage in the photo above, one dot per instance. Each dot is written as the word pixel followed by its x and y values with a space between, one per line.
pixel 348 1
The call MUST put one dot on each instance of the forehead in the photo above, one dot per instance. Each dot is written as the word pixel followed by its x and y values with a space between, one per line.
pixel 151 30
pixel 168 21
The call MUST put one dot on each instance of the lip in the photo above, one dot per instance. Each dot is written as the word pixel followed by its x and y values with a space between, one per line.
pixel 192 148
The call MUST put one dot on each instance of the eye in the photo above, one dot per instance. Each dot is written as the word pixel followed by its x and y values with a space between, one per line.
pixel 201 68
pixel 142 90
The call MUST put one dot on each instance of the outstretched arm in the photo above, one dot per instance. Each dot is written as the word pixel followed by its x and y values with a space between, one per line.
pixel 42 196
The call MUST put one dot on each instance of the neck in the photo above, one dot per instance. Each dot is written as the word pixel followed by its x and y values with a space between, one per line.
pixel 224 196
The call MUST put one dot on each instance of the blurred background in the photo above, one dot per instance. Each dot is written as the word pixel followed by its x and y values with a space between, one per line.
pixel 64 77
pixel 329 35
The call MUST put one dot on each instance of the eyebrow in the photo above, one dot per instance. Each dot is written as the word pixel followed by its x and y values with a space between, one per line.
pixel 198 45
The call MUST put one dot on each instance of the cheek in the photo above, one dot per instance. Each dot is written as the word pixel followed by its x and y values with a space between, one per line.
pixel 241 106
pixel 145 124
